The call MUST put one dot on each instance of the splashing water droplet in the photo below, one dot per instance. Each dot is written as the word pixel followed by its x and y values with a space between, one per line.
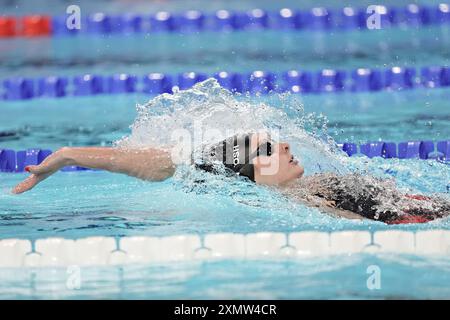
pixel 208 108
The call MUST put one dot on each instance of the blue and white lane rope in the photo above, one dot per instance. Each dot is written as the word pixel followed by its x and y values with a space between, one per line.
pixel 256 82
pixel 16 161
pixel 195 21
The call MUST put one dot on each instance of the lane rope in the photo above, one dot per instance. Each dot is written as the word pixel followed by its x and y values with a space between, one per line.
pixel 257 82
pixel 194 21
pixel 16 161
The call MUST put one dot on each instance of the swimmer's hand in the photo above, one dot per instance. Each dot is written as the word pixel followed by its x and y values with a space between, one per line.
pixel 42 171
pixel 148 164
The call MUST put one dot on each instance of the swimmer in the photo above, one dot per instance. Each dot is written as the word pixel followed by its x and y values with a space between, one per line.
pixel 259 159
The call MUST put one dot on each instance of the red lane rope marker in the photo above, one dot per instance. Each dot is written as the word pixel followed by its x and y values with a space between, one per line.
pixel 7 27
pixel 36 26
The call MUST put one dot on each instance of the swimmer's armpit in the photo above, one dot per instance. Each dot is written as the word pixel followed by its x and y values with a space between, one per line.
pixel 148 164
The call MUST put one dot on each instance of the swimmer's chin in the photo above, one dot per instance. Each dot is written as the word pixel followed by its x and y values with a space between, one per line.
pixel 292 182
pixel 300 173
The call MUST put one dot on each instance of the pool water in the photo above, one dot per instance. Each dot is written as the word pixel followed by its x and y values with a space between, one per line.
pixel 96 203
pixel 337 278
pixel 100 120
pixel 241 51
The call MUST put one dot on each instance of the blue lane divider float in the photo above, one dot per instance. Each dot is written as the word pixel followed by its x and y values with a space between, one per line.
pixel 16 161
pixel 54 87
pixel 157 83
pixel 88 85
pixel 18 89
pixel 347 18
pixel 12 161
pixel 296 81
pixel 403 150
pixel 188 79
pixel 379 149
pixel 364 79
pixel 122 83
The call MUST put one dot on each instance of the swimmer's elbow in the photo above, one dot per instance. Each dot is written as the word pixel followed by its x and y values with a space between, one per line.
pixel 163 175
pixel 150 164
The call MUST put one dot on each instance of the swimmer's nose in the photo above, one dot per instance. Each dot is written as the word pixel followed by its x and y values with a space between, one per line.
pixel 285 147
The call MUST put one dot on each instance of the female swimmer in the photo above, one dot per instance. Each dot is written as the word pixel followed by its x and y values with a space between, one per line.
pixel 262 161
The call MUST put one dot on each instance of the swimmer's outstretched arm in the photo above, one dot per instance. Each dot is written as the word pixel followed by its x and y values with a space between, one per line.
pixel 148 164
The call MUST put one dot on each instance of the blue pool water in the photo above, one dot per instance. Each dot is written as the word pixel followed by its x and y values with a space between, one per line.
pixel 82 204
pixel 337 279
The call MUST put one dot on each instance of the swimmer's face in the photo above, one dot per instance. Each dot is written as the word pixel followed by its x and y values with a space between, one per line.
pixel 278 168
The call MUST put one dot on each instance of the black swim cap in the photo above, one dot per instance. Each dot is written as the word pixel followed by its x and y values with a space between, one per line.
pixel 233 153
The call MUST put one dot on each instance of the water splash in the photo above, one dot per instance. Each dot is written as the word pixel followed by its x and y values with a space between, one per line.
pixel 207 107
pixel 210 113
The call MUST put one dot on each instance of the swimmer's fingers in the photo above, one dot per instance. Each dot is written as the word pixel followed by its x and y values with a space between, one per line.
pixel 26 185
pixel 30 182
